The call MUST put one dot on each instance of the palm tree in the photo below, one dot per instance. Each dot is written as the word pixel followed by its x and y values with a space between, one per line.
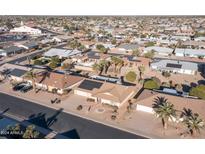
pixel 98 68
pixel 120 65
pixel 192 121
pixel 30 133
pixel 117 62
pixel 105 65
pixel 164 110
pixel 31 75
pixel 141 70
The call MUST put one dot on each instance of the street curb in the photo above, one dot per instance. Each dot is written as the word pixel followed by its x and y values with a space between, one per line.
pixel 77 115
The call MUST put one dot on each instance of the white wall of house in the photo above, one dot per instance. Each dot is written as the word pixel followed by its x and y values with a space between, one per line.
pixel 151 111
pixel 82 93
pixel 144 109
pixel 18 79
pixel 42 86
pixel 60 91
pixel 85 94
pixel 3 53
pixel 105 101
pixel 188 72
pixel 179 54
pixel 84 68
pixel 163 53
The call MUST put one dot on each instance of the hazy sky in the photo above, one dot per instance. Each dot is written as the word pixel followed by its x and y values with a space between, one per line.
pixel 102 7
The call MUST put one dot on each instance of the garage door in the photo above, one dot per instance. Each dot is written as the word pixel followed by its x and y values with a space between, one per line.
pixel 144 109
pixel 82 93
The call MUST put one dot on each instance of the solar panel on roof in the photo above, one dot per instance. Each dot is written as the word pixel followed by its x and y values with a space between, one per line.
pixel 174 65
pixel 90 85
pixel 17 72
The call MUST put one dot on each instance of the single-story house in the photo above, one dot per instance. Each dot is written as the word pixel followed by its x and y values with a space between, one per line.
pixel 12 50
pixel 17 74
pixel 61 38
pixel 104 92
pixel 195 44
pixel 2 52
pixel 88 44
pixel 26 29
pixel 61 53
pixel 128 47
pixel 182 38
pixel 201 38
pixel 93 55
pixel 181 52
pixel 108 45
pixel 118 51
pixel 146 100
pixel 174 66
pixel 30 45
pixel 159 50
pixel 166 42
pixel 84 66
pixel 55 81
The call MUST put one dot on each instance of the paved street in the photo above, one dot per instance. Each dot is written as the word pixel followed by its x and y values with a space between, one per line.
pixel 22 57
pixel 57 120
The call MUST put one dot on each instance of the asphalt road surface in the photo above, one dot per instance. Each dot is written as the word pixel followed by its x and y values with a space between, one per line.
pixel 63 123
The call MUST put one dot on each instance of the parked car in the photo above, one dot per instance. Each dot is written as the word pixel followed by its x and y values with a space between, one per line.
pixel 26 88
pixel 19 86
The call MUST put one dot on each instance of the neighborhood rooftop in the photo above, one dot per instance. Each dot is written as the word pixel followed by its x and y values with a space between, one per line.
pixel 17 72
pixel 174 64
pixel 61 52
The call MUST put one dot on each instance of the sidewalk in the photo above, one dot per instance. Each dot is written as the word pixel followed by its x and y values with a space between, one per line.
pixel 138 123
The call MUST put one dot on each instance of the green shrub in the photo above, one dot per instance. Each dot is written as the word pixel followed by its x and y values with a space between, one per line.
pixel 131 76
pixel 55 60
pixel 53 65
pixel 198 91
pixel 37 62
pixel 149 44
pixel 151 84
pixel 149 54
pixel 156 80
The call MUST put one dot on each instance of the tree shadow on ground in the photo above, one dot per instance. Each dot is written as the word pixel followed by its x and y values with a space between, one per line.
pixel 73 134
pixel 4 111
pixel 41 120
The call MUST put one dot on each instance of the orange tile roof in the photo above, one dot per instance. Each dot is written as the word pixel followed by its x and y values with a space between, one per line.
pixel 57 80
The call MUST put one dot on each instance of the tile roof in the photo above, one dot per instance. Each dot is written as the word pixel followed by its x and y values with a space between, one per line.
pixel 147 98
pixel 165 64
pixel 17 72
pixel 109 91
pixel 58 80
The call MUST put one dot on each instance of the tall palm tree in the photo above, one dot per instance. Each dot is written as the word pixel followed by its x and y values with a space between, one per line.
pixel 120 65
pixel 192 121
pixel 105 64
pixel 164 110
pixel 117 62
pixel 141 70
pixel 98 68
pixel 32 76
